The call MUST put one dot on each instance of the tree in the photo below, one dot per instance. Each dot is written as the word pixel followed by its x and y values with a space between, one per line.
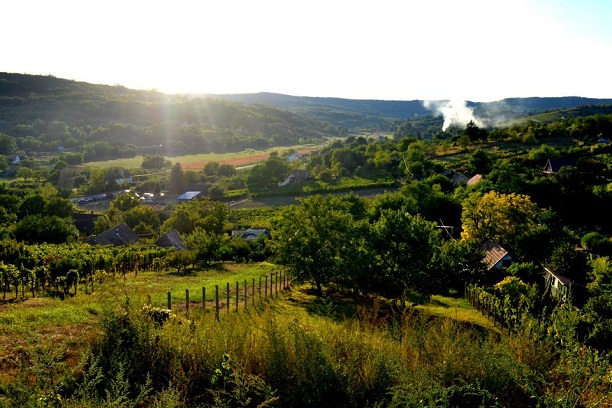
pixel 142 214
pixel 154 162
pixel 569 262
pixel 403 246
pixel 206 214
pixel 480 162
pixel 177 179
pixel 39 228
pixel 501 217
pixel 24 173
pixel 205 245
pixel 60 207
pixel 267 174
pixel 474 132
pixel 317 240
pixel 8 145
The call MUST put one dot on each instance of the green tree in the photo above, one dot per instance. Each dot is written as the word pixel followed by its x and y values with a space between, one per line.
pixel 25 173
pixel 206 245
pixel 480 162
pixel 142 214
pixel 8 145
pixel 316 240
pixel 39 228
pixel 60 207
pixel 206 214
pixel 154 162
pixel 267 174
pixel 569 262
pixel 403 246
pixel 33 204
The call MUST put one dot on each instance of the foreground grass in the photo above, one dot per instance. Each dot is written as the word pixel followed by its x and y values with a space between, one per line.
pixel 294 350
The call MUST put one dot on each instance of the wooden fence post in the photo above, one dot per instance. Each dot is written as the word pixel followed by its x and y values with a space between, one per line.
pixel 217 301
pixel 187 301
pixel 266 288
pixel 228 298
pixel 169 300
pixel 237 295
pixel 204 298
pixel 260 288
pixel 245 293
pixel 277 282
pixel 253 292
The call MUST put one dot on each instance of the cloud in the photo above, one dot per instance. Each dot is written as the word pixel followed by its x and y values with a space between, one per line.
pixel 455 113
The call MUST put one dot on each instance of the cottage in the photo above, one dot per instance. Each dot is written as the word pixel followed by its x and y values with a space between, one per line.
pixel 189 195
pixel 296 176
pixel 558 286
pixel 293 157
pixel 118 235
pixel 84 222
pixel 496 257
pixel 251 234
pixel 13 159
pixel 474 180
pixel 554 165
pixel 171 239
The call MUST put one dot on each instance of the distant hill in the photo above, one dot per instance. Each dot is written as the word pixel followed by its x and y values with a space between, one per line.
pixel 45 112
pixel 353 113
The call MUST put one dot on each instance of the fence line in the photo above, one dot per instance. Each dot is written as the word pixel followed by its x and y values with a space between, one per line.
pixel 278 282
pixel 492 306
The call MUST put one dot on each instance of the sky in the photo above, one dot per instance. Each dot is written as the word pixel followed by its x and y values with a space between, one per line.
pixel 477 50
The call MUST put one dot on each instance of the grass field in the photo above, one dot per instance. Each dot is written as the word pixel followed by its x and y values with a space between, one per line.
pixel 70 324
pixel 197 161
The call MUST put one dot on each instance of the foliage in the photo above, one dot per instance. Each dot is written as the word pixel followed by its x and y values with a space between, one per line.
pixel 199 213
pixel 314 239
pixel 501 217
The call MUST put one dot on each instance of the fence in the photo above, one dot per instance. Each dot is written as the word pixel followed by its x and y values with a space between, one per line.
pixel 489 304
pixel 241 294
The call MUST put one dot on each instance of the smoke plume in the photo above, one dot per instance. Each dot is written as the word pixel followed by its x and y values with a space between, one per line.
pixel 454 112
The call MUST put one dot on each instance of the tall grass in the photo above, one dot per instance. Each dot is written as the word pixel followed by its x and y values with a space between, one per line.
pixel 261 357
pixel 283 354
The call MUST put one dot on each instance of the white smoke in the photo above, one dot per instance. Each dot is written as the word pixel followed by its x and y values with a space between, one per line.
pixel 455 112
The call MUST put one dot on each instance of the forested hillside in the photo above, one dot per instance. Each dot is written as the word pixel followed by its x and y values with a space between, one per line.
pixel 352 114
pixel 43 113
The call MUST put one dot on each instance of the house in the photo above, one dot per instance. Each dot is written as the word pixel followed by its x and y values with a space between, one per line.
pixel 496 257
pixel 296 176
pixel 456 177
pixel 171 239
pixel 13 159
pixel 84 222
pixel 554 165
pixel 293 157
pixel 251 234
pixel 474 180
pixel 189 195
pixel 558 286
pixel 117 236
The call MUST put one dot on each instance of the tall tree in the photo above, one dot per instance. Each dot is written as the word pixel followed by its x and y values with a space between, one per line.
pixel 177 179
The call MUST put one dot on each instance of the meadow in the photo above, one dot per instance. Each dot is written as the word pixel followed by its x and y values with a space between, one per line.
pixel 110 348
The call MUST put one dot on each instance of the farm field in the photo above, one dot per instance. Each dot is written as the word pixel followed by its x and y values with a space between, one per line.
pixel 197 161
